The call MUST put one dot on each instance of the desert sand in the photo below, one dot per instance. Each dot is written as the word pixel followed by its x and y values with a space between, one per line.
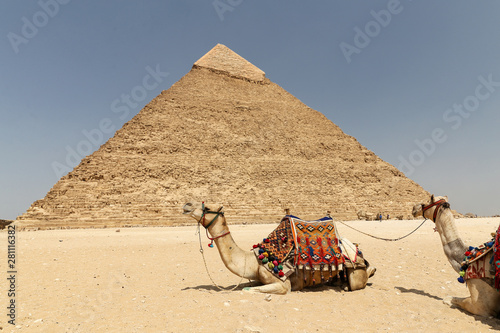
pixel 154 280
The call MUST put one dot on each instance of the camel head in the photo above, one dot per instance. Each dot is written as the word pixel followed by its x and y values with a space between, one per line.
pixel 418 209
pixel 193 209
pixel 198 210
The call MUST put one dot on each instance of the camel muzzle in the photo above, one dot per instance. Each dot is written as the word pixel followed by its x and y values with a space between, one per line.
pixel 188 208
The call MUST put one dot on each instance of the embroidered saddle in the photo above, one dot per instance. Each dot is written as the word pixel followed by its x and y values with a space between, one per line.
pixel 476 260
pixel 298 244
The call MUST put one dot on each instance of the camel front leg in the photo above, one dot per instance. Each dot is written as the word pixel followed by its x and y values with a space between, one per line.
pixel 466 303
pixel 271 284
pixel 357 278
pixel 277 288
pixel 483 300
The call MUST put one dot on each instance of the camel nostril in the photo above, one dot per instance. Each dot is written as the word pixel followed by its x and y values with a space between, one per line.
pixel 188 208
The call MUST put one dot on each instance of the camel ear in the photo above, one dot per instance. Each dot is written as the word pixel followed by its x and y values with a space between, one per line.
pixel 446 198
pixel 432 198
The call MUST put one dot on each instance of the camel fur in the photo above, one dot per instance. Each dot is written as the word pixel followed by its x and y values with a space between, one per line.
pixel 245 264
pixel 484 300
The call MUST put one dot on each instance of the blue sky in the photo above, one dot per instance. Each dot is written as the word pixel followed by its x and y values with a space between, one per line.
pixel 418 83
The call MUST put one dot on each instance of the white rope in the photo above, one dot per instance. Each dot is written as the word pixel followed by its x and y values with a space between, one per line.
pixel 210 276
pixel 385 239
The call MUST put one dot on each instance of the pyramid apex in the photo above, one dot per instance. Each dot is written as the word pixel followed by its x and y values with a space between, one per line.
pixel 223 59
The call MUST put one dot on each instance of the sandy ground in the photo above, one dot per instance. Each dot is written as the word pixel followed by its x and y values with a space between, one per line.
pixel 154 280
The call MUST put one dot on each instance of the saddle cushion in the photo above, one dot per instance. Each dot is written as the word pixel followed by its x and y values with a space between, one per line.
pixel 275 251
pixel 496 259
pixel 295 243
pixel 316 244
pixel 477 259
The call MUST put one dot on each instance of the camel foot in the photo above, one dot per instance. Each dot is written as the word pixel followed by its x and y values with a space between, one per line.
pixel 448 301
pixel 371 271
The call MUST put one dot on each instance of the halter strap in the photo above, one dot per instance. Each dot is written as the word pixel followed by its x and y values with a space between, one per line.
pixel 438 204
pixel 206 211
pixel 218 213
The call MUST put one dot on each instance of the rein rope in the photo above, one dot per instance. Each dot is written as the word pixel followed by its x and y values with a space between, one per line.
pixel 385 239
pixel 203 254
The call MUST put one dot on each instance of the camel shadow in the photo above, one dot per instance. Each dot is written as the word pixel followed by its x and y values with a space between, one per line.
pixel 418 292
pixel 211 287
pixel 493 322
pixel 319 288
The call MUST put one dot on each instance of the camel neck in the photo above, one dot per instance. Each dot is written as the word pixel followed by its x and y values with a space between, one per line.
pixel 453 246
pixel 235 259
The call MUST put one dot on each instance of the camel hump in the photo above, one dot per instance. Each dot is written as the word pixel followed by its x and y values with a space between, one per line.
pixel 348 248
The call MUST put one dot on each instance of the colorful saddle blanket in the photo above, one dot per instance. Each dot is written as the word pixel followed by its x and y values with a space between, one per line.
pixel 496 259
pixel 295 243
pixel 478 259
pixel 316 244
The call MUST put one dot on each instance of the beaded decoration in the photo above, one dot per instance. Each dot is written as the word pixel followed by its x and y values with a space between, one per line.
pixel 471 255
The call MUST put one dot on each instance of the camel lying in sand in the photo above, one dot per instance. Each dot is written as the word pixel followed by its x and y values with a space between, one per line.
pixel 484 299
pixel 245 264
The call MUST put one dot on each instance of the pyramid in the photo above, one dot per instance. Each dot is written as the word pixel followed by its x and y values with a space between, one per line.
pixel 224 134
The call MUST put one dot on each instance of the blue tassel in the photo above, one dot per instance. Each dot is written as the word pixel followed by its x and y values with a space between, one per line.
pixel 461 279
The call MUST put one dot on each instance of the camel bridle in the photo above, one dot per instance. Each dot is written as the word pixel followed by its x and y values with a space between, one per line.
pixel 438 204
pixel 202 221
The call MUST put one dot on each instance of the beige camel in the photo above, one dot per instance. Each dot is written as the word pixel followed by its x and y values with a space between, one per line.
pixel 245 264
pixel 484 299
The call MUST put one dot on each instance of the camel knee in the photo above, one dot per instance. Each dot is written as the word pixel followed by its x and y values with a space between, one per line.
pixel 478 307
pixel 370 271
pixel 357 278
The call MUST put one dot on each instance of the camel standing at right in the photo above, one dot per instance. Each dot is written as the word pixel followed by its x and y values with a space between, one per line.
pixel 484 299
